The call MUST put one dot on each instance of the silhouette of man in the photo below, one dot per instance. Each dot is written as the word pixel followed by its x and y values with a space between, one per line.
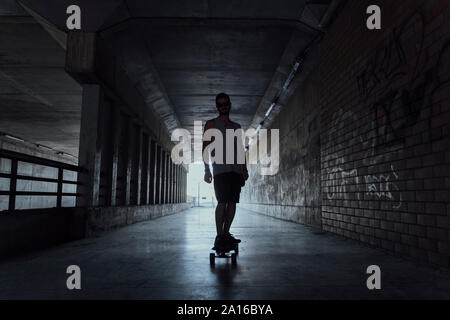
pixel 228 177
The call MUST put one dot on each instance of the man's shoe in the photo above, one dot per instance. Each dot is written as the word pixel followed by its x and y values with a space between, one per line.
pixel 220 242
pixel 232 239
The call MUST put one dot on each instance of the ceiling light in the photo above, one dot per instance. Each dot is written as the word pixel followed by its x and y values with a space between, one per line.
pixel 43 147
pixel 13 138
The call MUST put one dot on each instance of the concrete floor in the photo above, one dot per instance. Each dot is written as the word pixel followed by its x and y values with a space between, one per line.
pixel 168 258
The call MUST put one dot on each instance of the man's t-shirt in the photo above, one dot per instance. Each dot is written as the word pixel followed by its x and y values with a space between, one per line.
pixel 228 167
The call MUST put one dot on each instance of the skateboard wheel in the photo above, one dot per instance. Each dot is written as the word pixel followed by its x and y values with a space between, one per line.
pixel 212 258
pixel 233 258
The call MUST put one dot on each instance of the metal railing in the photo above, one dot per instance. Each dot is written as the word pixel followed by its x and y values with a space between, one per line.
pixel 13 177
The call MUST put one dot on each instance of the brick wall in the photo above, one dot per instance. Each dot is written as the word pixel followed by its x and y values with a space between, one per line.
pixel 381 100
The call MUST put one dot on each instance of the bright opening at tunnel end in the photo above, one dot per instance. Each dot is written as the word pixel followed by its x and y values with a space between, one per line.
pixel 258 147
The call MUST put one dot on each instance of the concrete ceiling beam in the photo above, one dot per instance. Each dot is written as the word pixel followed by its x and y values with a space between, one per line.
pixel 90 61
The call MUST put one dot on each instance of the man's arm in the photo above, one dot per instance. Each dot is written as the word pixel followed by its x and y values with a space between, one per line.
pixel 208 125
pixel 241 145
pixel 245 166
pixel 245 169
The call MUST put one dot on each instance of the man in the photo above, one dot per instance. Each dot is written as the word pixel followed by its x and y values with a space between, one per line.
pixel 228 177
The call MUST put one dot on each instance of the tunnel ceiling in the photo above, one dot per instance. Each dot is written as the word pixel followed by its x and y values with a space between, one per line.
pixel 39 102
pixel 180 54
pixel 196 63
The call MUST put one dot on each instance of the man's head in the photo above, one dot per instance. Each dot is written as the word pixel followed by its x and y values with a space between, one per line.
pixel 223 103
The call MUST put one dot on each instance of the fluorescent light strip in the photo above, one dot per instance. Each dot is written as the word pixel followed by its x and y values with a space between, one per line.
pixel 270 109
pixel 13 138
pixel 43 147
pixel 66 154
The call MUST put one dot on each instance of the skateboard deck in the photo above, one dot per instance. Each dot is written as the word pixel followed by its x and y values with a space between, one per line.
pixel 225 253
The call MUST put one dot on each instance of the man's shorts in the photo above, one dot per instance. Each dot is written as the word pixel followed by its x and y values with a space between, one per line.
pixel 227 187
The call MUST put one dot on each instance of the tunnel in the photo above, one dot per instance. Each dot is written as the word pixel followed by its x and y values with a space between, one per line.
pixel 345 110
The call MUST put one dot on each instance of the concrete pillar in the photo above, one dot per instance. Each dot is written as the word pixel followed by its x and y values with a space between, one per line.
pixel 185 185
pixel 166 179
pixel 176 184
pixel 122 167
pixel 180 181
pixel 172 180
pixel 169 180
pixel 145 173
pixel 92 129
pixel 173 183
pixel 135 143
pixel 158 178
pixel 181 184
pixel 106 156
pixel 115 141
pixel 152 169
pixel 131 143
pixel 172 192
pixel 163 177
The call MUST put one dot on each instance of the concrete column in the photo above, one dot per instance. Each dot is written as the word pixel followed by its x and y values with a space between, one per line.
pixel 122 167
pixel 158 179
pixel 91 148
pixel 129 161
pixel 145 173
pixel 163 177
pixel 179 184
pixel 106 157
pixel 176 184
pixel 171 180
pixel 152 169
pixel 173 183
pixel 136 181
pixel 182 185
pixel 169 177
pixel 115 142
pixel 166 179
pixel 180 191
pixel 185 185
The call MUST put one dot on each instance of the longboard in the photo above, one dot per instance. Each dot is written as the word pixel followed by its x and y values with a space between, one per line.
pixel 225 254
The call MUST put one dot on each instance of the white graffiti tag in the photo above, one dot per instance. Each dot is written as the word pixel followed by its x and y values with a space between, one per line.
pixel 382 187
pixel 338 179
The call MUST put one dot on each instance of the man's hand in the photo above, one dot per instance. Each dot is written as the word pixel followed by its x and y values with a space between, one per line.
pixel 245 175
pixel 208 177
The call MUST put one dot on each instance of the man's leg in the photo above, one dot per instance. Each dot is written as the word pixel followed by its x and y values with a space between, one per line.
pixel 221 211
pixel 229 216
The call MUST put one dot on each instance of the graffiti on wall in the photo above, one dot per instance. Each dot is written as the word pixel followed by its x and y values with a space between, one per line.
pixel 397 84
pixel 383 187
pixel 400 80
pixel 339 179
pixel 380 186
